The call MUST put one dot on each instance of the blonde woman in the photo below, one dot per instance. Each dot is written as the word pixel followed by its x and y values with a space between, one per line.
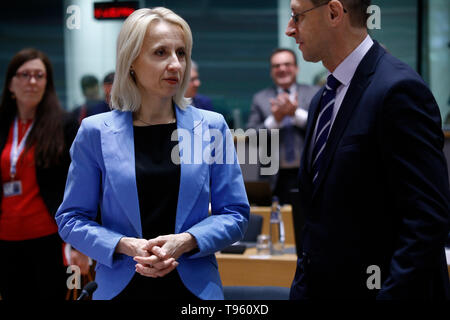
pixel 157 239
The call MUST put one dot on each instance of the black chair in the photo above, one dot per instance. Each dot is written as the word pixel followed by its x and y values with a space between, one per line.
pixel 254 228
pixel 255 293
pixel 259 193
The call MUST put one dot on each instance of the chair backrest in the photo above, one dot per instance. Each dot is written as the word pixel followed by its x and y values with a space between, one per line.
pixel 259 192
pixel 255 293
pixel 254 228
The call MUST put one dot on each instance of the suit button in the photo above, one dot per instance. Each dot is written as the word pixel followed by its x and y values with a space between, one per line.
pixel 306 258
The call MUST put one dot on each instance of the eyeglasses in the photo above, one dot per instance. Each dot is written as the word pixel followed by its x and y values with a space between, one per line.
pixel 296 16
pixel 279 65
pixel 26 76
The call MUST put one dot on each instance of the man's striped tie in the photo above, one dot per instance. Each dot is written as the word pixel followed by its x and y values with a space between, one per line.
pixel 323 124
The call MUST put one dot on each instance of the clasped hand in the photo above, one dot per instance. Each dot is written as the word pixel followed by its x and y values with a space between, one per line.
pixel 282 106
pixel 157 257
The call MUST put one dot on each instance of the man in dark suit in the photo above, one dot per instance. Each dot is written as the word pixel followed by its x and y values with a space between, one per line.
pixel 97 106
pixel 373 179
pixel 284 106
pixel 103 106
pixel 90 87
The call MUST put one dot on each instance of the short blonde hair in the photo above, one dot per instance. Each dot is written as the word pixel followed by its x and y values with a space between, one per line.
pixel 125 95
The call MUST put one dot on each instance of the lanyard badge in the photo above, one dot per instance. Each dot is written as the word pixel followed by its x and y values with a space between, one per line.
pixel 14 188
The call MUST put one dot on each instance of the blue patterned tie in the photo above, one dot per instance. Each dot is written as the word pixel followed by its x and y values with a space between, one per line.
pixel 323 124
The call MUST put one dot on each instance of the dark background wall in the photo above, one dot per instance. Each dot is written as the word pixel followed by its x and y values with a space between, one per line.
pixel 232 42
pixel 37 24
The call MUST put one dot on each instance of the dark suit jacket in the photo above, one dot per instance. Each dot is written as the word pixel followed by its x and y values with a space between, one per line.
pixel 383 195
pixel 88 109
pixel 99 108
pixel 51 180
pixel 202 102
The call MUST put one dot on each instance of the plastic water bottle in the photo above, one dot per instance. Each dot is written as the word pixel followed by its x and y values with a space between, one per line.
pixel 276 231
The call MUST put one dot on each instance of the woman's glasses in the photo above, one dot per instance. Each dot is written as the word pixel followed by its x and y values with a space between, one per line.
pixel 26 76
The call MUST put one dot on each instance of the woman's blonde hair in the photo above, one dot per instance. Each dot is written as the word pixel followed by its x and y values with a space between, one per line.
pixel 125 95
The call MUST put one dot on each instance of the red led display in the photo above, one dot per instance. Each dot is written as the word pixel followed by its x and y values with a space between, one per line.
pixel 114 10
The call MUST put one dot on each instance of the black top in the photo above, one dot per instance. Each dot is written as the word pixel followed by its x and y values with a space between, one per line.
pixel 157 179
pixel 158 182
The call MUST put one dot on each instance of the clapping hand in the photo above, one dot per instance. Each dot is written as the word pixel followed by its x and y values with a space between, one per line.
pixel 282 106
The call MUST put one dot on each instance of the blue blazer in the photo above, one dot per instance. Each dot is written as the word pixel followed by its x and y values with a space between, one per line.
pixel 382 194
pixel 102 173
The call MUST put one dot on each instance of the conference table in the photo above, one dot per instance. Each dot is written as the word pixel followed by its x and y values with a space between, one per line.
pixel 251 269
pixel 286 214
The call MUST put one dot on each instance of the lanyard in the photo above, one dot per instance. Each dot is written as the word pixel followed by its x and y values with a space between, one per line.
pixel 16 149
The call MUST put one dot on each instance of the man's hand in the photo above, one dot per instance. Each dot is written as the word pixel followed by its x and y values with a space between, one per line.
pixel 282 106
pixel 277 112
pixel 290 106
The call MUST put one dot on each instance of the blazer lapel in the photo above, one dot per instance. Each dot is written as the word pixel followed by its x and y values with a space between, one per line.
pixel 118 154
pixel 312 117
pixel 360 81
pixel 305 179
pixel 193 139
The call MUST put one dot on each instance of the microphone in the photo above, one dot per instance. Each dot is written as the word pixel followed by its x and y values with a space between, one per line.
pixel 88 290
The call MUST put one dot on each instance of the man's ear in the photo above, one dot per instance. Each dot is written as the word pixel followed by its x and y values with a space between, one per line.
pixel 336 11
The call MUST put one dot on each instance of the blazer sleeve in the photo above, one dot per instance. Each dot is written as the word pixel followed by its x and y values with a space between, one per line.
pixel 411 143
pixel 77 214
pixel 229 205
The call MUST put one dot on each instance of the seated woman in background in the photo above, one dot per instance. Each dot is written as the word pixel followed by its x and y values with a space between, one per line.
pixel 35 137
pixel 156 240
